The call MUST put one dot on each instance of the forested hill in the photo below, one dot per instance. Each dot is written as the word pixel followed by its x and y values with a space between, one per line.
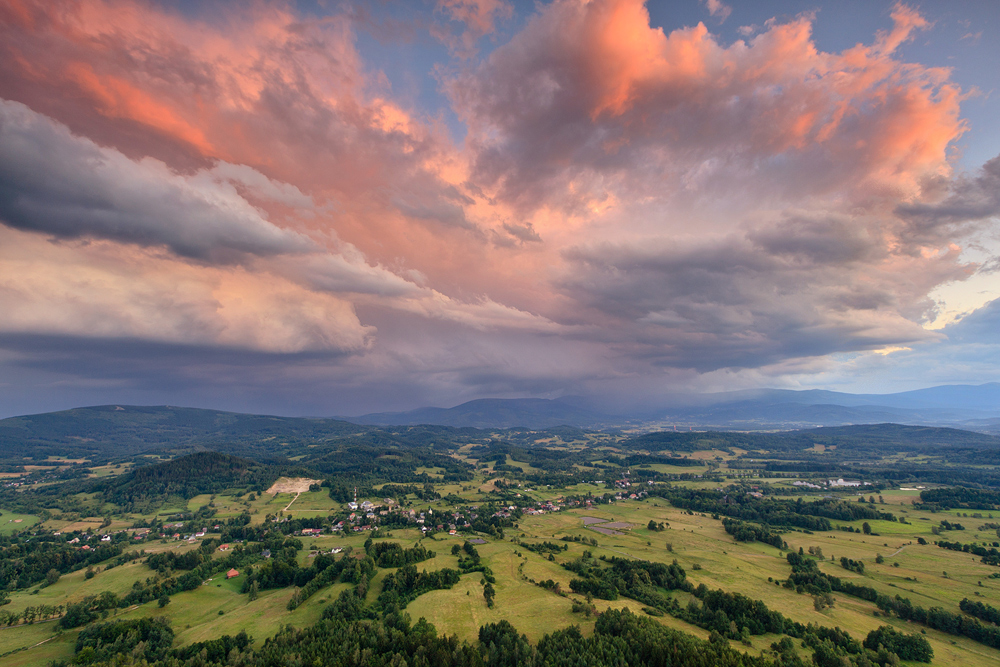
pixel 863 436
pixel 111 431
pixel 188 476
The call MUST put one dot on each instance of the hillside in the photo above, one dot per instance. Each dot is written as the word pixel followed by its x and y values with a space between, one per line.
pixel 110 431
pixel 856 437
pixel 187 477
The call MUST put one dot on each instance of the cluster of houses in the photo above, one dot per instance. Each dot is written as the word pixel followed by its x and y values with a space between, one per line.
pixel 366 516
pixel 544 507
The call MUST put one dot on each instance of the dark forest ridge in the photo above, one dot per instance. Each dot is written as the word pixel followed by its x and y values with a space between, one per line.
pixel 109 432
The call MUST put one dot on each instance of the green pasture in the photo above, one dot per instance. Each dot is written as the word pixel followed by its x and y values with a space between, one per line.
pixel 195 615
pixel 74 586
pixel 12 521
pixel 36 644
pixel 314 503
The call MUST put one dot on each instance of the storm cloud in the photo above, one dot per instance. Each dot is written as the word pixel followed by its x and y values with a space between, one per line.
pixel 598 205
pixel 69 187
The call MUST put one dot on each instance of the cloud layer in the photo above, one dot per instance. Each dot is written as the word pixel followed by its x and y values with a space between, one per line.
pixel 54 183
pixel 629 206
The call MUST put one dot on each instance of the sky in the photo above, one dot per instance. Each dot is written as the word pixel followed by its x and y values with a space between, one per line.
pixel 330 208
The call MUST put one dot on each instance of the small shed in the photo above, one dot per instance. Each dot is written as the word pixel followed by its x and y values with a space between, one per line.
pixel 232 573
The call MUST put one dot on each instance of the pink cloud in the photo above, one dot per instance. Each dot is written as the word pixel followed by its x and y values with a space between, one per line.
pixel 647 199
pixel 286 96
pixel 591 87
pixel 719 9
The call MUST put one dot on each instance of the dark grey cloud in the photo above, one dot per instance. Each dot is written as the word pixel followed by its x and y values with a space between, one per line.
pixel 831 239
pixel 53 372
pixel 55 183
pixel 790 290
pixel 970 199
pixel 981 326
pixel 525 233
pixel 427 207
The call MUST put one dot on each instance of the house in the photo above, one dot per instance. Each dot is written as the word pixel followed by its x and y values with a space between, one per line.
pixel 232 573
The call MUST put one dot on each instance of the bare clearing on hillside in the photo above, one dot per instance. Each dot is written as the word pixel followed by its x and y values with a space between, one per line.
pixel 292 485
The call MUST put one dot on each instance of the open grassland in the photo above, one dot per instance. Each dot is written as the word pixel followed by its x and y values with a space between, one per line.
pixel 37 644
pixel 74 586
pixel 195 615
pixel 12 521
pixel 110 470
pixel 313 503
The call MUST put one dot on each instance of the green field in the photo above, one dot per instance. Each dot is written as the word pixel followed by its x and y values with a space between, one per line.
pixel 12 521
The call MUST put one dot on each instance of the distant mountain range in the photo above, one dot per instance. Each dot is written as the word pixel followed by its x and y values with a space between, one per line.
pixel 975 407
pixel 104 432
pixel 121 432
pixel 531 413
